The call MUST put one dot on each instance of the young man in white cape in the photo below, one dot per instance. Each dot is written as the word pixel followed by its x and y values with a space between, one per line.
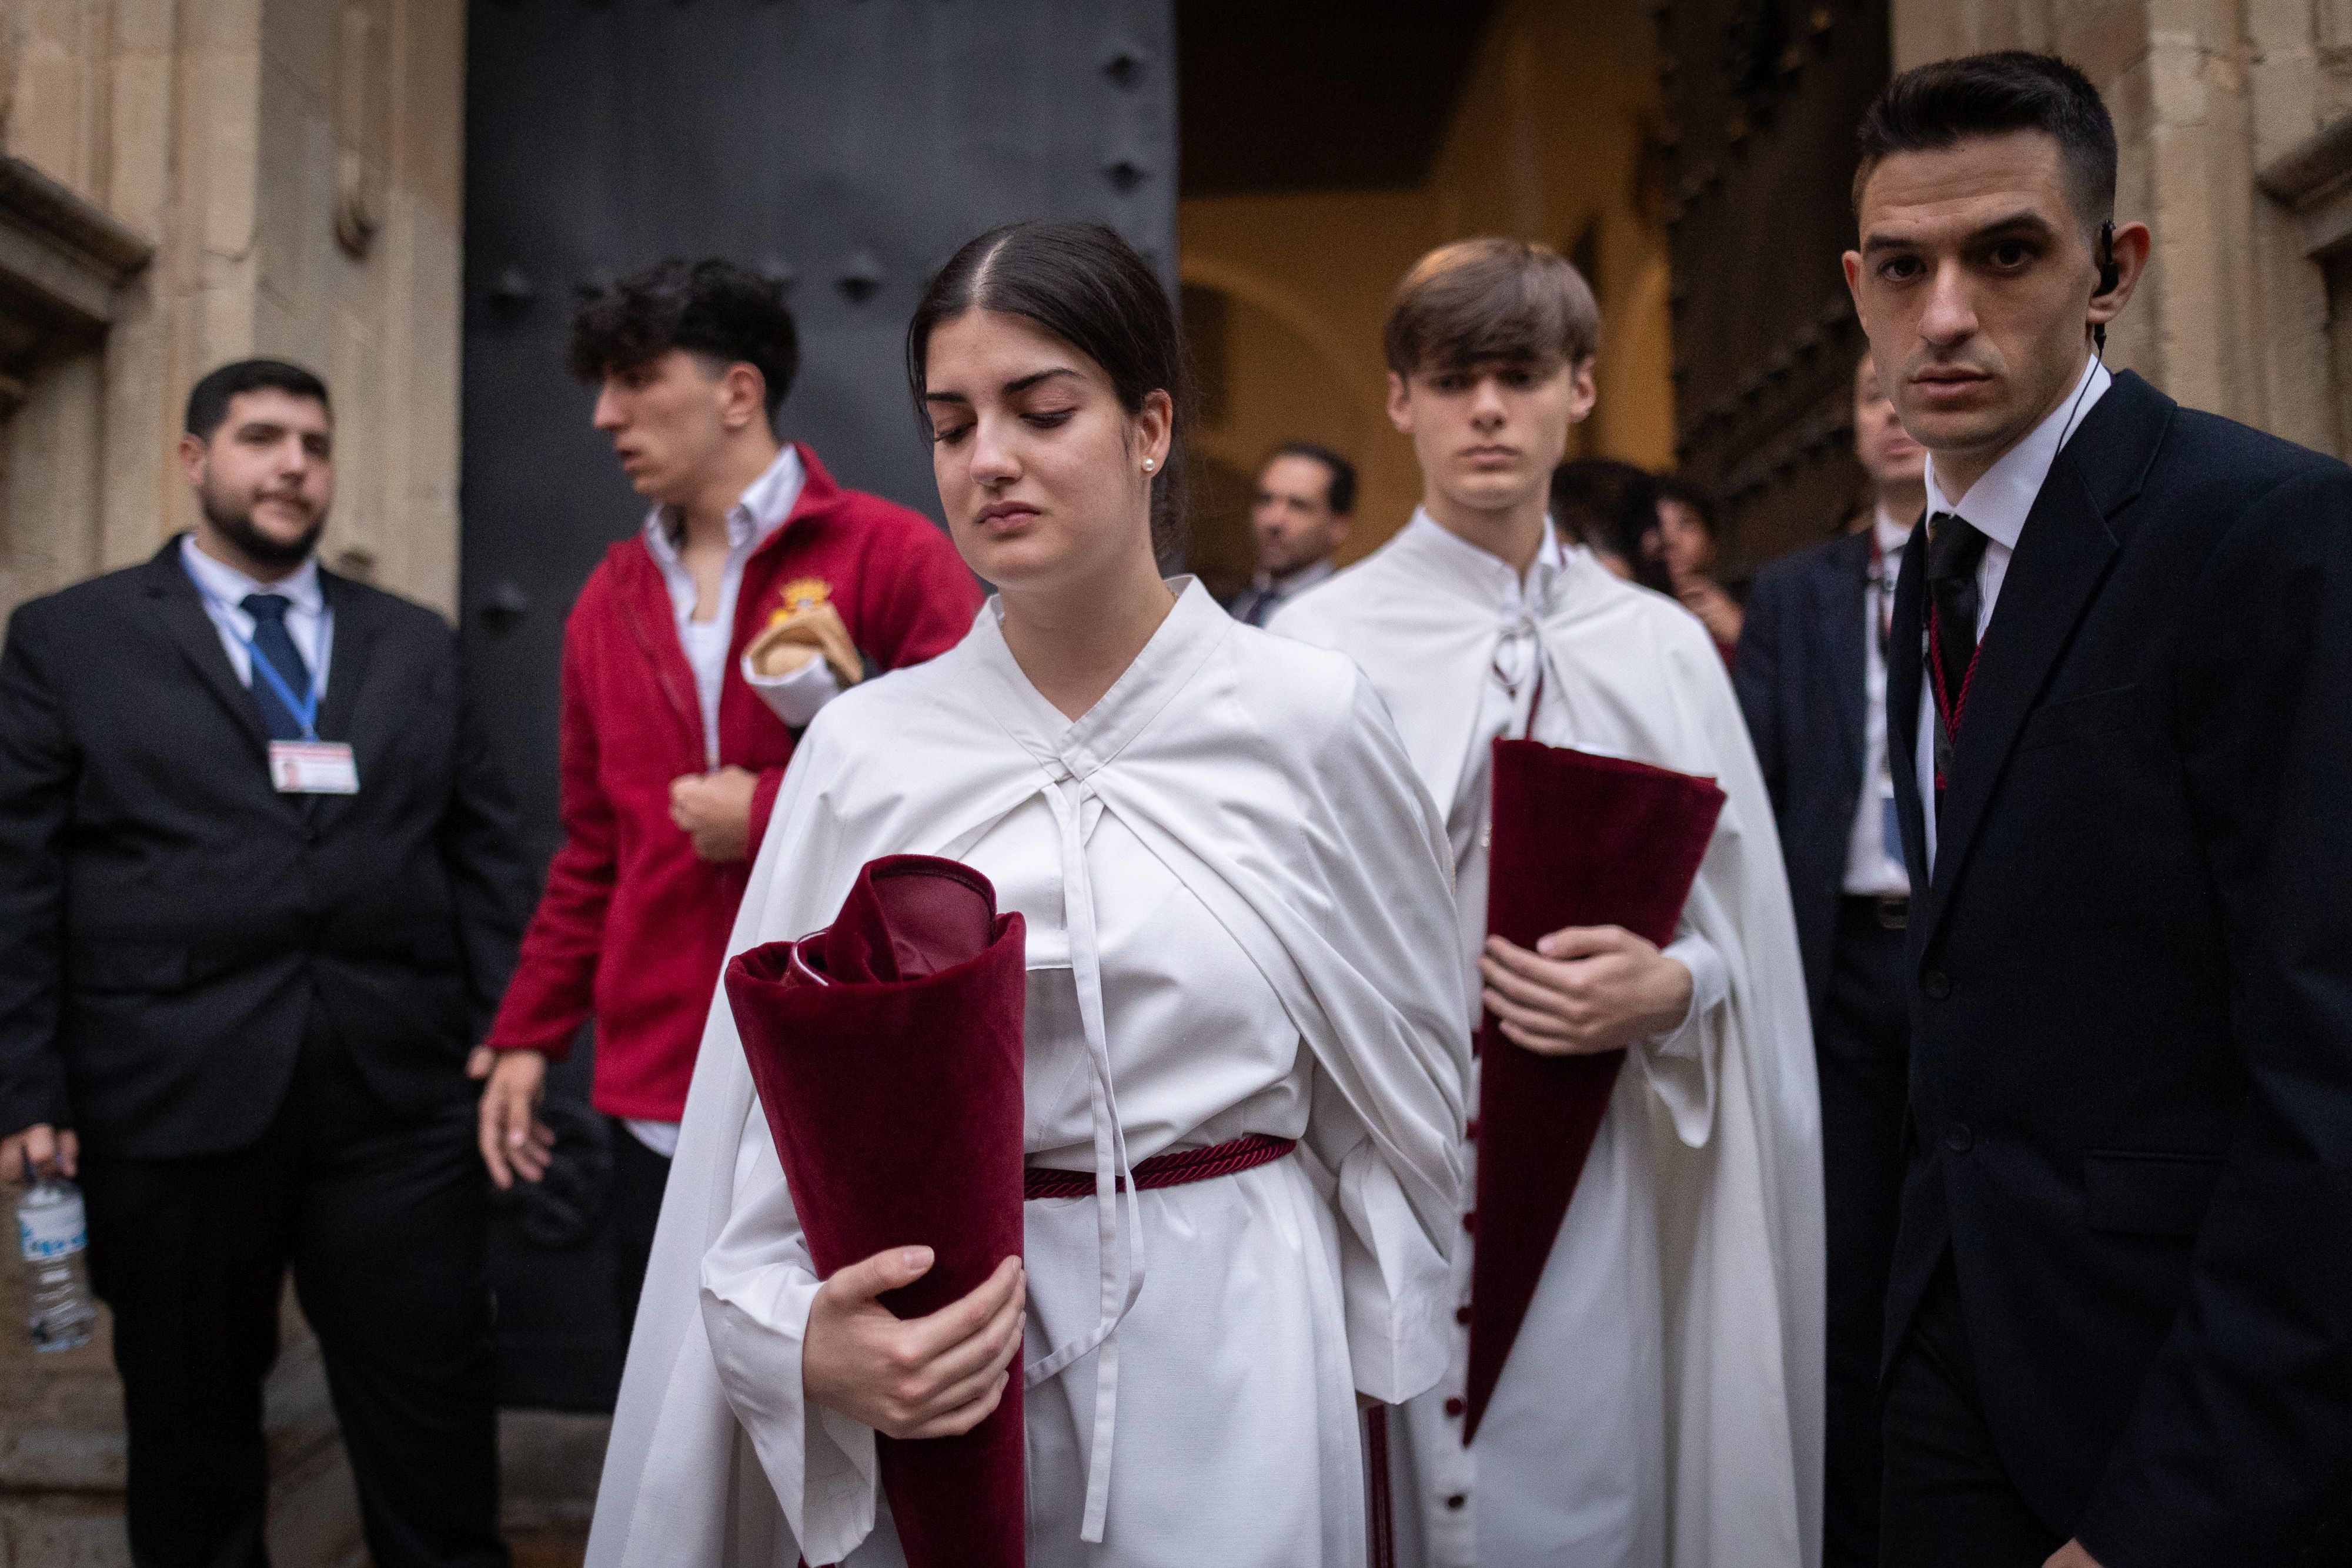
pixel 1662 1403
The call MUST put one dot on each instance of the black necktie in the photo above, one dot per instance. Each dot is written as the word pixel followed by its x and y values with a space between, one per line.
pixel 273 642
pixel 1955 548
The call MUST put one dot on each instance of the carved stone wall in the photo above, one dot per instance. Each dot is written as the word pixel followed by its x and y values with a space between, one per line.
pixel 268 177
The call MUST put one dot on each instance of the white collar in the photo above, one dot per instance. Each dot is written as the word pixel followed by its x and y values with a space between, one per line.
pixel 1291 582
pixel 1893 532
pixel 230 585
pixel 764 506
pixel 1510 590
pixel 1074 748
pixel 1997 505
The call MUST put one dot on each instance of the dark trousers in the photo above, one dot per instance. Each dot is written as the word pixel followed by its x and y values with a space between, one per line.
pixel 1949 1502
pixel 381 1218
pixel 1862 1045
pixel 639 1176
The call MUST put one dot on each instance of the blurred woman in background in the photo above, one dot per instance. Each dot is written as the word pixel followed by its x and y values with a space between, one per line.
pixel 1687 542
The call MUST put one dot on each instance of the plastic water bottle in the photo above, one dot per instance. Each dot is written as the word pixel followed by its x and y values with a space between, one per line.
pixel 51 1234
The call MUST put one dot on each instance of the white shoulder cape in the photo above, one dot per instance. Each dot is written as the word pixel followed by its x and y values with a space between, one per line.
pixel 1265 776
pixel 1740 1178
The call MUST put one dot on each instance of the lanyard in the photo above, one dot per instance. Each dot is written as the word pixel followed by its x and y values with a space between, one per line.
pixel 305 708
pixel 1881 583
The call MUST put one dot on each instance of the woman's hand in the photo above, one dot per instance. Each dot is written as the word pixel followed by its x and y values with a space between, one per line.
pixel 933 1377
pixel 1584 989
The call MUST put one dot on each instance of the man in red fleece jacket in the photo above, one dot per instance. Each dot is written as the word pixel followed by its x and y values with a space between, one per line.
pixel 697 652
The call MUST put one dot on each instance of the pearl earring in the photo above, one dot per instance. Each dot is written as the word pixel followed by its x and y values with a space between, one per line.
pixel 1148 465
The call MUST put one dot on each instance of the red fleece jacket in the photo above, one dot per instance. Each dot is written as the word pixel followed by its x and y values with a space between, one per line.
pixel 633 926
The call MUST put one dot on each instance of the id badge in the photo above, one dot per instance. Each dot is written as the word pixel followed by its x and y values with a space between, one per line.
pixel 313 768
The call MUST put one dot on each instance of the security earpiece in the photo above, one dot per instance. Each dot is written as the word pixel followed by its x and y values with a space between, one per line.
pixel 2110 275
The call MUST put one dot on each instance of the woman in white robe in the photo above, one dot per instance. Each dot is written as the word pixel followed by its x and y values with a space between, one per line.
pixel 1239 923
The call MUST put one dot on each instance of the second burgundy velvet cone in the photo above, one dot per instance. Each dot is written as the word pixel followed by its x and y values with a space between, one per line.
pixel 888 1052
pixel 1578 839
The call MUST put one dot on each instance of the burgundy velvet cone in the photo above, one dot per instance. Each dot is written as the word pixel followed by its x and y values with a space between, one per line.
pixel 887 1052
pixel 1578 839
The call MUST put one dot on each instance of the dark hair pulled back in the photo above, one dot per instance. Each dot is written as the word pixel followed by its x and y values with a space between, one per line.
pixel 1083 284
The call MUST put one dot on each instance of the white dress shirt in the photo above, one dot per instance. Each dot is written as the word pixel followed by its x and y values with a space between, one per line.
pixel 308 620
pixel 1870 870
pixel 762 509
pixel 1996 506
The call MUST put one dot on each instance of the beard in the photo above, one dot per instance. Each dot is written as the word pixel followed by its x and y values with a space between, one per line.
pixel 237 524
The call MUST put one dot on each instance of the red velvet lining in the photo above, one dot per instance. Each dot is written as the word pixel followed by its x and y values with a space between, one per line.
pixel 1577 840
pixel 887 1052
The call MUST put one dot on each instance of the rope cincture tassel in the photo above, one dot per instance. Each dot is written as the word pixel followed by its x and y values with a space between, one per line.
pixel 1117 1233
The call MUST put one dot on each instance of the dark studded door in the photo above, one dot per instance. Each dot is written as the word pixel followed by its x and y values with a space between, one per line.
pixel 847 146
pixel 1762 98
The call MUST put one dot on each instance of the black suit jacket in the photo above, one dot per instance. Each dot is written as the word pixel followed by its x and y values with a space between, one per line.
pixel 166 916
pixel 2131 1050
pixel 1802 676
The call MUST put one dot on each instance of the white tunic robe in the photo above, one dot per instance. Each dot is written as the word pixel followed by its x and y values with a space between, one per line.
pixel 1237 900
pixel 1662 1404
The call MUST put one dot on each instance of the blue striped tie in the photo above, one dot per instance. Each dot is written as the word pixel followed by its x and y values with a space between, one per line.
pixel 272 641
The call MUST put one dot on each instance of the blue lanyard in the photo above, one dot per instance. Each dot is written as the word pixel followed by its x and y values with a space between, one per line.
pixel 305 709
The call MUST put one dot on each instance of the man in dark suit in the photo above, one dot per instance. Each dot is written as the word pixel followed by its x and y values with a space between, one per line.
pixel 260 891
pixel 1300 512
pixel 1811 677
pixel 2120 1316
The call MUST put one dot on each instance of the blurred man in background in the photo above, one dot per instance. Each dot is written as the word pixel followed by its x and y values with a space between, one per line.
pixel 1812 677
pixel 1305 498
pixel 260 885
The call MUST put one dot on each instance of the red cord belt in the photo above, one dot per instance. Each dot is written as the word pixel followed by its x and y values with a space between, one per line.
pixel 1174 1168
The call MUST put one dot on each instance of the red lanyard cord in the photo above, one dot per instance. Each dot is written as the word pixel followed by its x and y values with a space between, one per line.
pixel 1881 583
